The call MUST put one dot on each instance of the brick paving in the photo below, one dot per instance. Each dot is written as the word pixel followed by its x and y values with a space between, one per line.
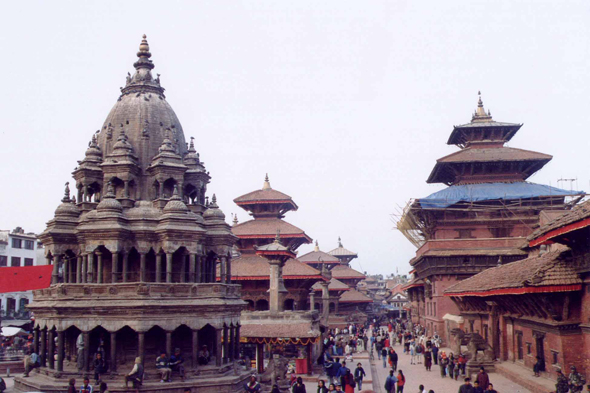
pixel 417 375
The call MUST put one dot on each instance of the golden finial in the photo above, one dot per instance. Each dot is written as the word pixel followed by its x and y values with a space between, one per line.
pixel 144 46
pixel 266 185
pixel 317 247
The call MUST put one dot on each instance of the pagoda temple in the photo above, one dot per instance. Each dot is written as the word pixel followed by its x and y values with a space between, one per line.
pixel 281 322
pixel 480 220
pixel 345 304
pixel 135 257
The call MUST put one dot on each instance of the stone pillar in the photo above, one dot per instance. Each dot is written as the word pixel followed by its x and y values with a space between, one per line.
pixel 43 350
pixel 159 267
pixel 66 269
pixel 91 267
pixel 169 257
pixel 86 351
pixel 192 261
pixel 79 263
pixel 195 348
pixel 225 344
pixel 228 269
pixel 212 271
pixel 99 267
pixel 113 365
pixel 312 300
pixel 325 300
pixel 232 342
pixel 168 344
pixel 60 350
pixel 223 269
pixel 198 268
pixel 126 188
pixel 277 289
pixel 51 349
pixel 36 340
pixel 55 271
pixel 237 344
pixel 161 192
pixel 183 268
pixel 142 267
pixel 84 276
pixel 114 258
pixel 141 346
pixel 218 347
pixel 125 267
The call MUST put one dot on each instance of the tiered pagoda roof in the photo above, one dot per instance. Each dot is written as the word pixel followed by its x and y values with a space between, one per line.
pixel 483 157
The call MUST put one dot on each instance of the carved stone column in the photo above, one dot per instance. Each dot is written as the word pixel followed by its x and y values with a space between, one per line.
pixel 277 288
pixel 84 277
pixel 125 267
pixel 66 269
pixel 43 350
pixel 168 343
pixel 36 340
pixel 86 351
pixel 228 269
pixel 90 267
pixel 225 343
pixel 223 269
pixel 191 267
pixel 169 257
pixel 232 337
pixel 141 346
pixel 312 300
pixel 237 342
pixel 159 267
pixel 60 350
pixel 99 267
pixel 55 271
pixel 183 268
pixel 195 348
pixel 325 300
pixel 51 349
pixel 113 364
pixel 114 258
pixel 79 263
pixel 218 347
pixel 142 266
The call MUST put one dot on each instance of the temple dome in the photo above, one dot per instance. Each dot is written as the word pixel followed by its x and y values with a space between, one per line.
pixel 109 202
pixel 175 205
pixel 67 207
pixel 145 114
pixel 213 212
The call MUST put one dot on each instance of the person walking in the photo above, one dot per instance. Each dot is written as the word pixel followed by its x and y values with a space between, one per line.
pixel 466 388
pixel 443 361
pixel 428 359
pixel 390 383
pixel 359 374
pixel 483 379
pixel 435 354
pixel 562 385
pixel 412 352
pixel 72 386
pixel 401 381
pixel 393 359
pixel 384 356
pixel 299 387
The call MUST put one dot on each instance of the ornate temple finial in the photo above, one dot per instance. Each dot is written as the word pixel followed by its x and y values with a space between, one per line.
pixel 66 197
pixel 480 114
pixel 207 201
pixel 175 194
pixel 317 247
pixel 191 147
pixel 144 47
pixel 340 242
pixel 235 221
pixel 214 199
pixel 278 236
pixel 266 185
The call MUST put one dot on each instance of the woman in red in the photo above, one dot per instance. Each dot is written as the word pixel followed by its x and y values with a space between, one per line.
pixel 401 380
pixel 347 382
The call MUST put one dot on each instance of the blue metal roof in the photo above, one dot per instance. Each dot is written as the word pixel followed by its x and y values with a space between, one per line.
pixel 490 191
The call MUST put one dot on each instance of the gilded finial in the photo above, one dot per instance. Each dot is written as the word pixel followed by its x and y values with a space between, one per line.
pixel 214 199
pixel 144 46
pixel 235 221
pixel 278 236
pixel 317 247
pixel 340 242
pixel 266 185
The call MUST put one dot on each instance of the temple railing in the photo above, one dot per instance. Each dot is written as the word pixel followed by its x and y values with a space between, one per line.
pixel 138 289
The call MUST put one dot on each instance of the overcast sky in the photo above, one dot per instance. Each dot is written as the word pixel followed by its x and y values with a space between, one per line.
pixel 346 104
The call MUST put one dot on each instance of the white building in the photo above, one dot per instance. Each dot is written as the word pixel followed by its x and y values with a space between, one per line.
pixel 18 248
pixel 19 253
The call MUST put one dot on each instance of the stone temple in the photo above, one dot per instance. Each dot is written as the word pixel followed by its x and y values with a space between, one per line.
pixel 141 258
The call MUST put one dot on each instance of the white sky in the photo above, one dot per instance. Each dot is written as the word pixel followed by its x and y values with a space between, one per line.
pixel 346 104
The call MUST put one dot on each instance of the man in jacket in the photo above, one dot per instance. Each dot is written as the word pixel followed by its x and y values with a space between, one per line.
pixel 359 373
pixel 390 382
pixel 393 358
